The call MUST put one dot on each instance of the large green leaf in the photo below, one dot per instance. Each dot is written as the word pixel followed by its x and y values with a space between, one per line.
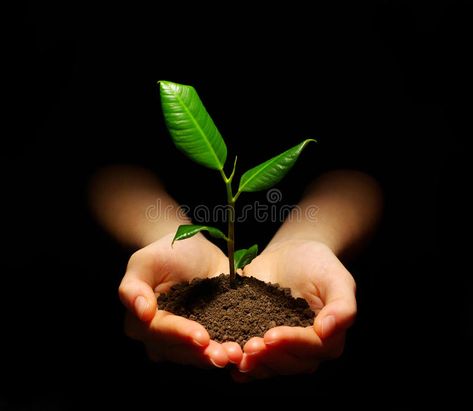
pixel 192 129
pixel 189 230
pixel 245 256
pixel 272 171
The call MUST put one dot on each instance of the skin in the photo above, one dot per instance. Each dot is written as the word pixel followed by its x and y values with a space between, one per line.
pixel 303 255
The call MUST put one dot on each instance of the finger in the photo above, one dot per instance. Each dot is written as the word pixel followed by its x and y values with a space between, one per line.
pixel 136 289
pixel 284 363
pixel 300 341
pixel 138 297
pixel 234 352
pixel 213 355
pixel 254 346
pixel 291 350
pixel 167 328
pixel 304 343
pixel 339 310
pixel 245 365
pixel 216 354
pixel 253 368
pixel 261 360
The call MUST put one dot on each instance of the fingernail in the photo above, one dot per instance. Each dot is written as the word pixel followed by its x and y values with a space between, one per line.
pixel 270 338
pixel 214 363
pixel 141 305
pixel 198 338
pixel 257 348
pixel 251 354
pixel 244 366
pixel 328 326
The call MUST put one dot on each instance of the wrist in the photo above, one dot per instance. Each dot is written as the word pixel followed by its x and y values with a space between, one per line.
pixel 290 243
pixel 155 231
pixel 326 240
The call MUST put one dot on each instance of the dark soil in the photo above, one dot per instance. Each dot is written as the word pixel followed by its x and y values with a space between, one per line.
pixel 236 314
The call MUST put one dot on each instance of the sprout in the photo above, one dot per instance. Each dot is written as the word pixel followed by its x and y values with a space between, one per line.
pixel 195 134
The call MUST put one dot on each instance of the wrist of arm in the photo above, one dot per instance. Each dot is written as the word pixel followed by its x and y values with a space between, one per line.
pixel 339 210
pixel 133 206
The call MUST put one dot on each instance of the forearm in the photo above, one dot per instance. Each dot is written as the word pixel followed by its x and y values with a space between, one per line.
pixel 340 209
pixel 133 206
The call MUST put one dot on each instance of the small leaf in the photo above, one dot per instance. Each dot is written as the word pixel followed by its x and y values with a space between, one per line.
pixel 245 256
pixel 189 230
pixel 191 127
pixel 272 171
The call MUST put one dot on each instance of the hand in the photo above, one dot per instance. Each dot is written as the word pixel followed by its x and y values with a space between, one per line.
pixel 313 272
pixel 167 337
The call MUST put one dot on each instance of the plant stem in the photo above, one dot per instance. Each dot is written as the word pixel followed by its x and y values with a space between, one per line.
pixel 231 229
pixel 231 241
pixel 231 224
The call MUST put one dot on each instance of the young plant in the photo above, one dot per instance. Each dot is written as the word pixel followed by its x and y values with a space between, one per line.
pixel 195 134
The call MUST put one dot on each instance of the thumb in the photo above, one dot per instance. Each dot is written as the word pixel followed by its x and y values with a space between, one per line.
pixel 138 297
pixel 340 307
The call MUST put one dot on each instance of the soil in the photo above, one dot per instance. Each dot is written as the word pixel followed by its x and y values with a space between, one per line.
pixel 236 314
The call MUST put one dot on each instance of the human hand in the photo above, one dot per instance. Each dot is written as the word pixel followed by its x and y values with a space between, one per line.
pixel 167 337
pixel 314 273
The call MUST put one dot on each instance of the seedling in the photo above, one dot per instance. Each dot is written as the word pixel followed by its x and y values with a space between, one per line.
pixel 195 134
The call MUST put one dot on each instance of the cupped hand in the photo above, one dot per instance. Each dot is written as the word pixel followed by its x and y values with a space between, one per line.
pixel 313 272
pixel 167 337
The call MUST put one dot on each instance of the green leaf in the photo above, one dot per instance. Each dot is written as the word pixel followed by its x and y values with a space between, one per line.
pixel 272 171
pixel 245 256
pixel 189 230
pixel 192 129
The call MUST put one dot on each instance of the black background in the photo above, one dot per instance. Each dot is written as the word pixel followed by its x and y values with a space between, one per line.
pixel 384 86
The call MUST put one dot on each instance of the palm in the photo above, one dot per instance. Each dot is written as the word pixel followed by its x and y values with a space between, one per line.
pixel 184 261
pixel 302 266
pixel 154 269
pixel 314 273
